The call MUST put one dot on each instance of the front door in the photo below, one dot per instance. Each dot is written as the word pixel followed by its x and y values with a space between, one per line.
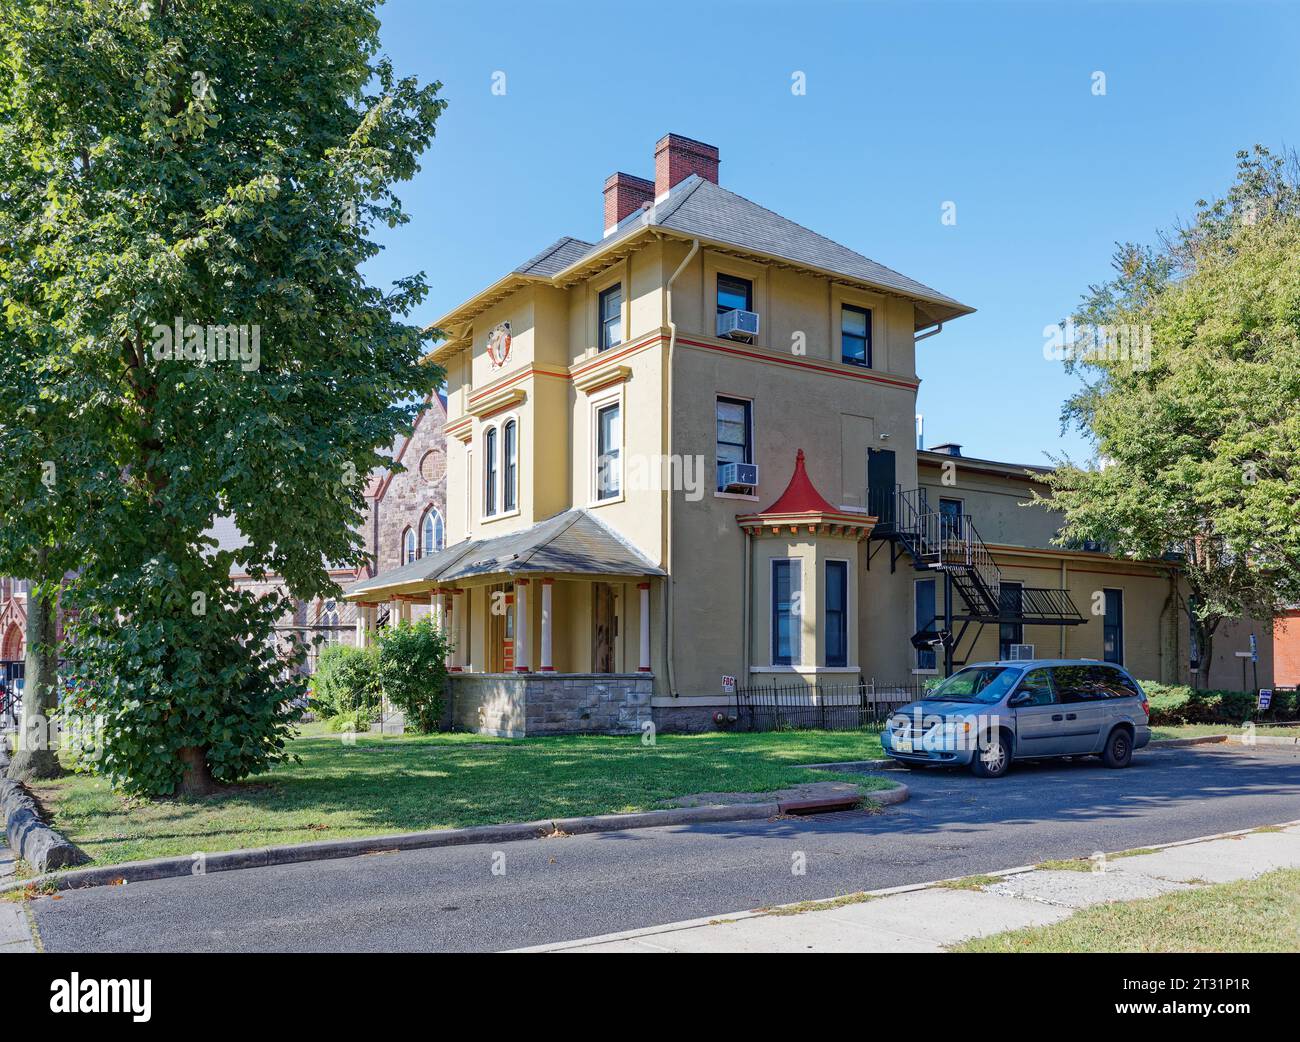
pixel 501 629
pixel 604 627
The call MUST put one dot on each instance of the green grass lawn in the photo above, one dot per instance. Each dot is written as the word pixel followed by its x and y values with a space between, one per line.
pixel 409 783
pixel 1196 730
pixel 1259 915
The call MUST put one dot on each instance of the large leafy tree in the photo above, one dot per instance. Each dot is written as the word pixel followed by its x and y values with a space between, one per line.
pixel 174 173
pixel 1198 442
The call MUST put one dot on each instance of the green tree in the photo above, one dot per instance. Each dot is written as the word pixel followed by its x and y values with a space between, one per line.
pixel 189 193
pixel 1195 423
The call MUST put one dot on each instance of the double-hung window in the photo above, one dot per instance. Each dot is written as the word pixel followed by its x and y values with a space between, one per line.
pixel 837 613
pixel 510 465
pixel 735 432
pixel 786 596
pixel 855 336
pixel 734 294
pixel 490 472
pixel 609 440
pixel 1112 637
pixel 611 317
pixel 926 621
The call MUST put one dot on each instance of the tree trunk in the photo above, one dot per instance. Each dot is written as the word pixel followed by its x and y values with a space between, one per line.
pixel 35 756
pixel 1205 639
pixel 197 779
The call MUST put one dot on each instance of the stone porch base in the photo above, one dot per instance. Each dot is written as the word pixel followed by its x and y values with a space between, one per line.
pixel 514 705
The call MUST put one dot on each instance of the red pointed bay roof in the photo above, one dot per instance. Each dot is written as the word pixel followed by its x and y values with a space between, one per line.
pixel 801 505
pixel 801 495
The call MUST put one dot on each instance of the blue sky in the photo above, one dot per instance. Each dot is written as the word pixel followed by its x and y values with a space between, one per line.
pixel 908 106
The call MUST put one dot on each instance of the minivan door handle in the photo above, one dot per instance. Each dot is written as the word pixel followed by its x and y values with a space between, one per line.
pixel 1071 716
pixel 1057 716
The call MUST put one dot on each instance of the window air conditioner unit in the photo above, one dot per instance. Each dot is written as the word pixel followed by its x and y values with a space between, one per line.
pixel 737 477
pixel 1022 652
pixel 738 325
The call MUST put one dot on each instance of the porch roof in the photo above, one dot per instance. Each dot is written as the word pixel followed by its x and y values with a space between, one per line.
pixel 573 542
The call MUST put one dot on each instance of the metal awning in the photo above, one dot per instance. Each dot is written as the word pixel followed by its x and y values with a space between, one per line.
pixel 572 543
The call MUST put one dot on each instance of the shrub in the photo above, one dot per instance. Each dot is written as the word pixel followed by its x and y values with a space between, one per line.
pixel 346 680
pixel 413 672
pixel 358 722
pixel 1173 704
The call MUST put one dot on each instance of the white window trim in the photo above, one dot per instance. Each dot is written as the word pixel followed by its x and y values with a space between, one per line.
pixel 498 424
pixel 593 454
pixel 798 664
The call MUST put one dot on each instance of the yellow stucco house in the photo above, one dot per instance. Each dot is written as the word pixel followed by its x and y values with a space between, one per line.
pixel 683 458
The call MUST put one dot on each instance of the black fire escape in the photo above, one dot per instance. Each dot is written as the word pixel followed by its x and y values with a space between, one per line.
pixel 949 544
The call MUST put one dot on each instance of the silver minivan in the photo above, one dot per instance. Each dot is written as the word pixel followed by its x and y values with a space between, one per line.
pixel 988 714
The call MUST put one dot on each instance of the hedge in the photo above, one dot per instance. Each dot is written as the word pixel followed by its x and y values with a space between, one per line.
pixel 1173 704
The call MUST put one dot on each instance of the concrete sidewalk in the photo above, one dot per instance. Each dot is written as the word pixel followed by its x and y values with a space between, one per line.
pixel 15 932
pixel 934 916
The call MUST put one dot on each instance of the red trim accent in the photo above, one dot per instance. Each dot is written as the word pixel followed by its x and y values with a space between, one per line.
pixel 846 371
pixel 508 381
pixel 521 582
pixel 643 669
pixel 546 669
pixel 455 669
pixel 618 352
pixel 643 586
pixel 522 669
pixel 548 582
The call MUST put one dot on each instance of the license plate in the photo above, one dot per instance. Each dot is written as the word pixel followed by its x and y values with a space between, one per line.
pixel 902 745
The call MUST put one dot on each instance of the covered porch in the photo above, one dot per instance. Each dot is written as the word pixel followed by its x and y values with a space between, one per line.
pixel 550 626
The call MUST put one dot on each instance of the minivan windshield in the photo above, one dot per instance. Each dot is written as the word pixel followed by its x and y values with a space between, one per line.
pixel 984 684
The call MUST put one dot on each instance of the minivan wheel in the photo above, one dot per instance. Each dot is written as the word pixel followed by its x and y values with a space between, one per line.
pixel 1119 749
pixel 992 758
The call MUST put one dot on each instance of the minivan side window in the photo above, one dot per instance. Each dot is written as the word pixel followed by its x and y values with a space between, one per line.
pixel 1038 685
pixel 1076 684
pixel 1115 683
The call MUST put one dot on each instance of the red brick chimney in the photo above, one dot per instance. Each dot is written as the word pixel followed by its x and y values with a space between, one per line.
pixel 625 194
pixel 677 157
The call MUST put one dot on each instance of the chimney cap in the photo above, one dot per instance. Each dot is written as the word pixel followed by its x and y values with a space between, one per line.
pixel 947 448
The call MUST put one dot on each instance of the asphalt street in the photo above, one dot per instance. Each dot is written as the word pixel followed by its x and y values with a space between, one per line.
pixel 481 898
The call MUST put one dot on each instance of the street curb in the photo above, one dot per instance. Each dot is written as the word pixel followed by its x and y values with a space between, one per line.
pixel 202 863
pixel 31 838
pixel 1173 743
pixel 889 891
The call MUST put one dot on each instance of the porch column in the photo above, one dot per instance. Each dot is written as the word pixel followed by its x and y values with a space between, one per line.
pixel 643 663
pixel 362 623
pixel 436 600
pixel 521 626
pixel 546 665
pixel 454 613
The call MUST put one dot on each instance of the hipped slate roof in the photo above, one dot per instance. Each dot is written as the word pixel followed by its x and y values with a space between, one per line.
pixel 570 543
pixel 700 208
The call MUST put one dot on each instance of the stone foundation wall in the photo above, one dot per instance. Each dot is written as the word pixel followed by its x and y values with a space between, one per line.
pixel 519 705
pixel 686 719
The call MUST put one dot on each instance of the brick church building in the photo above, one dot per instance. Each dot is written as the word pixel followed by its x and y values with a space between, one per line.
pixel 405 520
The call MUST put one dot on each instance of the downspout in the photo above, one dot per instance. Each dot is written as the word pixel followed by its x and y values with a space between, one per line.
pixel 668 520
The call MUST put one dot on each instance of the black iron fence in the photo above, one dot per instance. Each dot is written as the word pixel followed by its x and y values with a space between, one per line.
pixel 854 705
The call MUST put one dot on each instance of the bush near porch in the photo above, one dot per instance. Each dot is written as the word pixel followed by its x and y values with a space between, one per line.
pixel 414 782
